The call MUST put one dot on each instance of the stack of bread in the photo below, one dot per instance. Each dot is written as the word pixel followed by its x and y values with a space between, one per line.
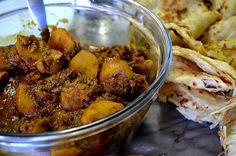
pixel 202 80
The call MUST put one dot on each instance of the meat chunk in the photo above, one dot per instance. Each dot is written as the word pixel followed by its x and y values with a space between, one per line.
pixel 115 75
pixel 86 63
pixel 63 41
pixel 75 97
pixel 61 119
pixel 50 62
pixel 138 84
pixel 78 95
pixel 99 109
pixel 41 125
pixel 142 66
pixel 41 97
pixel 5 63
pixel 10 61
pixel 32 77
pixel 30 49
pixel 55 82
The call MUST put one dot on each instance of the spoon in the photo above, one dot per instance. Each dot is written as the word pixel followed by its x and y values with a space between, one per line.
pixel 38 13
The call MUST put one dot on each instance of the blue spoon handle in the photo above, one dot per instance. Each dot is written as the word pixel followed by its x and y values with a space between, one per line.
pixel 38 13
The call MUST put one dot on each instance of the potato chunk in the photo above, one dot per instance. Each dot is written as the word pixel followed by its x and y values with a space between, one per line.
pixel 100 109
pixel 24 101
pixel 51 62
pixel 113 66
pixel 30 49
pixel 115 75
pixel 86 63
pixel 62 40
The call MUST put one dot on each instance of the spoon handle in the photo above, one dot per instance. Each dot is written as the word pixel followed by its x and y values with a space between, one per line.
pixel 38 13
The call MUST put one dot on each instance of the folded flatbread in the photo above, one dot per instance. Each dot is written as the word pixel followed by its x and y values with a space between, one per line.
pixel 198 71
pixel 228 132
pixel 224 50
pixel 186 20
pixel 195 104
pixel 198 85
pixel 227 8
pixel 201 82
pixel 193 26
pixel 224 29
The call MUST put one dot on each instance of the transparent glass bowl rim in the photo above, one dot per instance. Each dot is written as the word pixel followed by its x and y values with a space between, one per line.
pixel 131 108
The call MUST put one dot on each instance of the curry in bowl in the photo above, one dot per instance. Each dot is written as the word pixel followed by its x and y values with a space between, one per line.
pixel 54 83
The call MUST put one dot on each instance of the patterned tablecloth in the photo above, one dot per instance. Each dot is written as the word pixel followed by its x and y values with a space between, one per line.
pixel 165 132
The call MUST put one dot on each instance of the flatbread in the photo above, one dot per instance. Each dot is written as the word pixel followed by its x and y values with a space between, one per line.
pixel 201 82
pixel 197 71
pixel 228 132
pixel 223 50
pixel 200 103
pixel 224 29
pixel 216 67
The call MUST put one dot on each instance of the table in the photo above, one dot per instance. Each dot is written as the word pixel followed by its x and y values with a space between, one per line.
pixel 165 132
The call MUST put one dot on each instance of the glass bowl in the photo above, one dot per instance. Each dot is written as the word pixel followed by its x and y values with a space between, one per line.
pixel 97 23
